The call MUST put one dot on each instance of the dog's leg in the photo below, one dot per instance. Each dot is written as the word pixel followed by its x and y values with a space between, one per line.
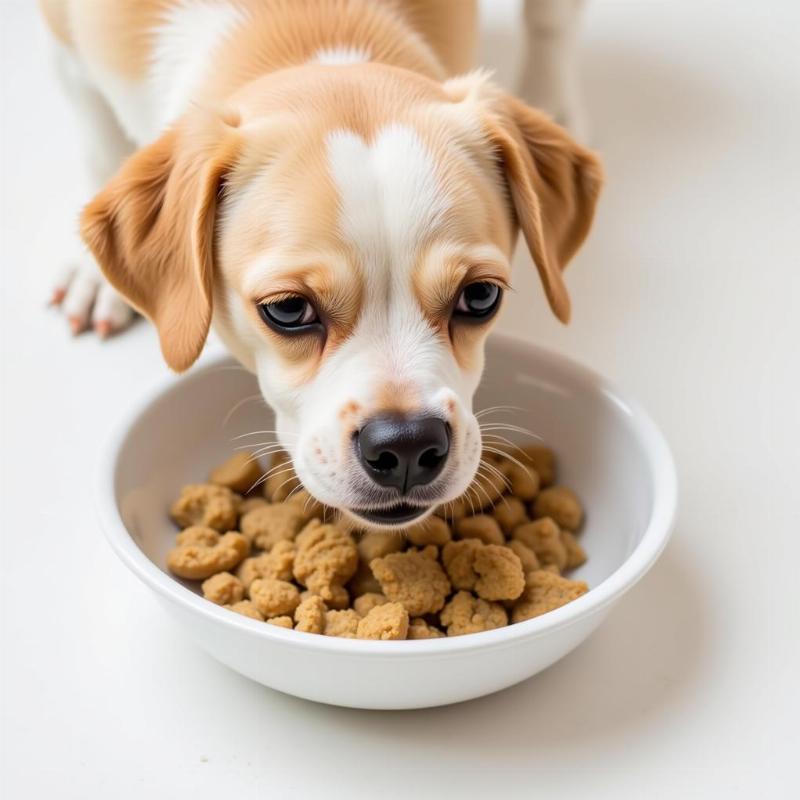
pixel 85 297
pixel 551 79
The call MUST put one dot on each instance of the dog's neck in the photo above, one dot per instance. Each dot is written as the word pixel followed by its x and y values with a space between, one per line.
pixel 260 38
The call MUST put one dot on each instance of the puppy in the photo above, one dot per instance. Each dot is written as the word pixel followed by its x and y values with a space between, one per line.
pixel 315 180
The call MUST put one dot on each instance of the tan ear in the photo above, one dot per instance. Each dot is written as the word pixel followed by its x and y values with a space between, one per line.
pixel 554 185
pixel 151 230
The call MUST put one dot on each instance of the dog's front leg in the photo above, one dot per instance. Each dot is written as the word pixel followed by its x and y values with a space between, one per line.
pixel 85 297
pixel 550 78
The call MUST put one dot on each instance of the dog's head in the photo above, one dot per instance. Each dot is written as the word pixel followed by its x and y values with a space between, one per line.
pixel 350 230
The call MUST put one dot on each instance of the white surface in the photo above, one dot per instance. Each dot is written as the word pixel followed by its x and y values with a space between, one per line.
pixel 606 445
pixel 687 295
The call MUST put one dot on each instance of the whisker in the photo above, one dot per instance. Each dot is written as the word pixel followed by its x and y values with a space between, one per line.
pixel 251 445
pixel 493 409
pixel 508 456
pixel 255 433
pixel 477 485
pixel 261 451
pixel 294 491
pixel 501 426
pixel 290 478
pixel 495 471
pixel 270 473
pixel 238 405
pixel 493 503
pixel 495 436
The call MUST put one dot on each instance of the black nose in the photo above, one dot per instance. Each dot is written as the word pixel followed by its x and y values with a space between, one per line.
pixel 403 451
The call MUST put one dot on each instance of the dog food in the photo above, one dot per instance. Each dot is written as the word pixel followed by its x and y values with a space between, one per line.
pixel 495 556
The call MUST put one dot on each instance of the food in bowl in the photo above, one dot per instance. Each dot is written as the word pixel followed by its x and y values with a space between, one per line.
pixel 494 557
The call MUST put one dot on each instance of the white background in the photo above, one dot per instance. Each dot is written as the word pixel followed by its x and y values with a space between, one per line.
pixel 686 295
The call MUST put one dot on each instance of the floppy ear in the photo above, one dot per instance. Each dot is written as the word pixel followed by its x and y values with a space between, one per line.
pixel 554 185
pixel 151 230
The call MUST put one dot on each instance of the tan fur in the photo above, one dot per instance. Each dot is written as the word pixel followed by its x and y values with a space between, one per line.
pixel 56 15
pixel 152 230
pixel 554 185
pixel 449 27
pixel 265 102
pixel 117 33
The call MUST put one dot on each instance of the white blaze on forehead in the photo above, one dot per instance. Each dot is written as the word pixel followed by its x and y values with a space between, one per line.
pixel 389 195
pixel 390 201
pixel 341 55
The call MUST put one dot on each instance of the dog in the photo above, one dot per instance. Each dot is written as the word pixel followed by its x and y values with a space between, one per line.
pixel 329 185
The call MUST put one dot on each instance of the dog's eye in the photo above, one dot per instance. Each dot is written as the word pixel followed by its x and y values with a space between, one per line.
pixel 478 300
pixel 293 313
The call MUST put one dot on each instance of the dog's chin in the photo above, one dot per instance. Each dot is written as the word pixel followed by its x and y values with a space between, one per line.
pixel 396 516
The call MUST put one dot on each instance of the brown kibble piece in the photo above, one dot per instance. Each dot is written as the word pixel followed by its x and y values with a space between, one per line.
pixel 206 505
pixel 309 506
pixel 510 513
pixel 543 536
pixel 543 460
pixel 561 504
pixel 482 527
pixel 310 615
pixel 376 545
pixel 432 530
pixel 500 571
pixel 327 579
pixel 419 629
pixel 413 578
pixel 197 535
pixel 459 561
pixel 341 623
pixel 527 556
pixel 385 621
pixel 523 479
pixel 277 563
pixel 468 614
pixel 576 555
pixel 223 589
pixel 240 473
pixel 338 597
pixel 281 622
pixel 326 557
pixel 247 609
pixel 282 480
pixel 484 492
pixel 545 591
pixel 274 598
pixel 272 523
pixel 363 581
pixel 250 503
pixel 202 552
pixel 364 604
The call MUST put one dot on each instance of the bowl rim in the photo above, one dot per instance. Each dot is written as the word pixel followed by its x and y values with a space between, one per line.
pixel 637 564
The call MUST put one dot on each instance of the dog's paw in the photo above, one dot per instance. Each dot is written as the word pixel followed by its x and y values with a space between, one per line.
pixel 87 300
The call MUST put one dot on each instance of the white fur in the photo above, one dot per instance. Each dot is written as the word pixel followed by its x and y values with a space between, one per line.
pixel 335 56
pixel 182 49
pixel 391 201
pixel 392 206
pixel 79 281
pixel 389 193
pixel 114 111
pixel 182 53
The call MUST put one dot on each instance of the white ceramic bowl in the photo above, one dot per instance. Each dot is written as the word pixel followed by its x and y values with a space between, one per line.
pixel 609 452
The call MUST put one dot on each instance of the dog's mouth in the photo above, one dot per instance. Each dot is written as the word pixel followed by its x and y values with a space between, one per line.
pixel 394 515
